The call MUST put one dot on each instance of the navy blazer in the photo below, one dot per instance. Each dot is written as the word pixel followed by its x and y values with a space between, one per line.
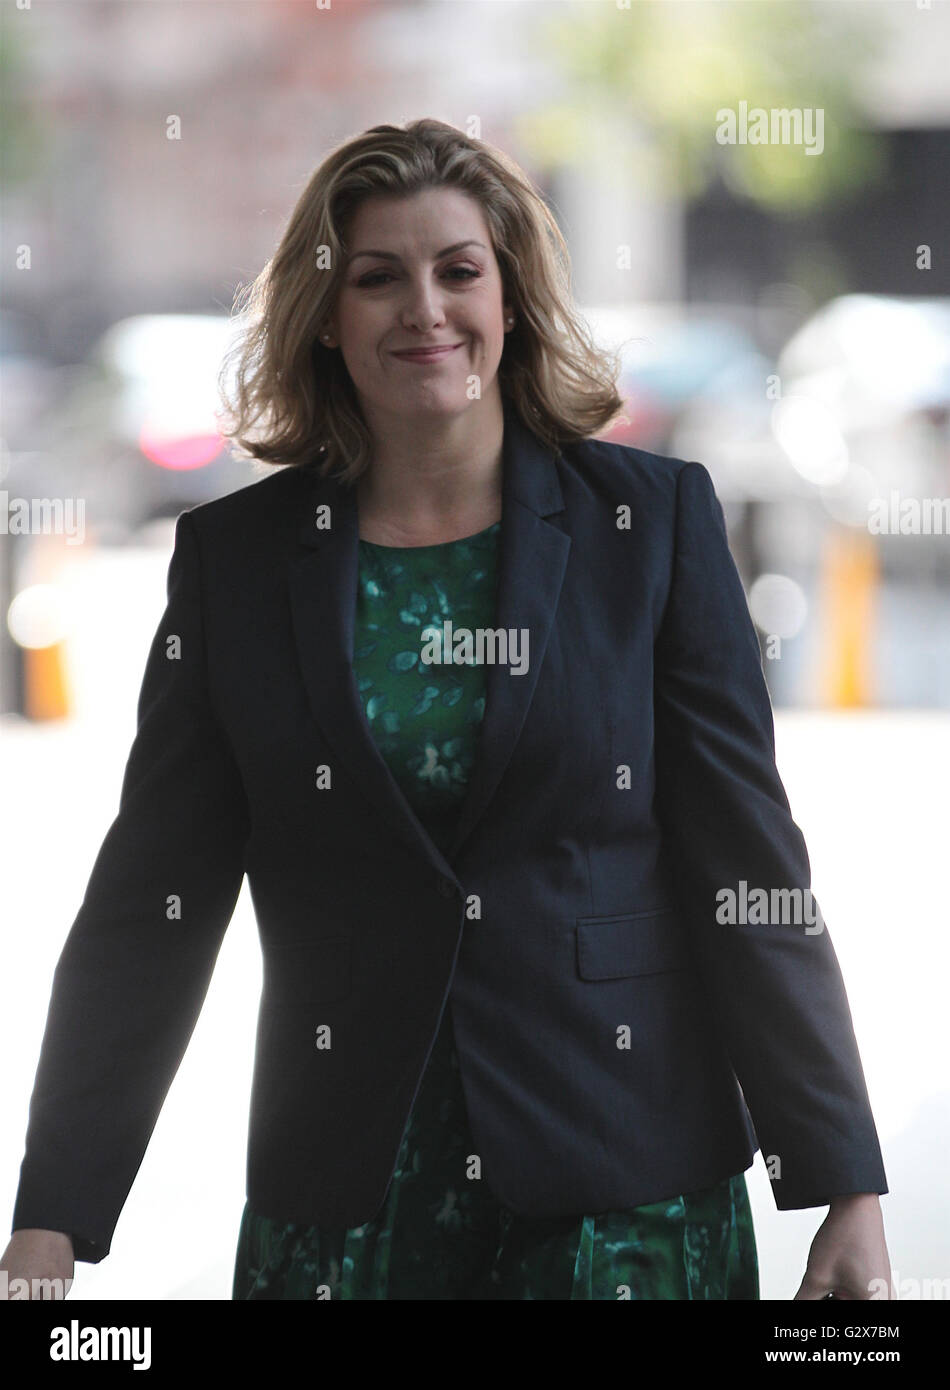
pixel 618 1043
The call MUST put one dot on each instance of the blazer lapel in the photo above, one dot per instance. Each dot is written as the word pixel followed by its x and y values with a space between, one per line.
pixel 322 577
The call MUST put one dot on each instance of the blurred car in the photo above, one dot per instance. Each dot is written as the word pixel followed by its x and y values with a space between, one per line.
pixel 685 366
pixel 134 431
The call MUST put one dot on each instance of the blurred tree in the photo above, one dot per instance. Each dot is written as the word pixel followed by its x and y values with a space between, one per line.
pixel 668 67
pixel 22 145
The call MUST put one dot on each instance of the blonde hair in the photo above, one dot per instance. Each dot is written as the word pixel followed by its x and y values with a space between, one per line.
pixel 299 393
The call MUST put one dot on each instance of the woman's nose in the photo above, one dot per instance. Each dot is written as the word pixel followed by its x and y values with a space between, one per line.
pixel 422 309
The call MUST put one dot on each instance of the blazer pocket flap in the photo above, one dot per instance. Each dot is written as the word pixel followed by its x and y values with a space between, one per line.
pixel 633 943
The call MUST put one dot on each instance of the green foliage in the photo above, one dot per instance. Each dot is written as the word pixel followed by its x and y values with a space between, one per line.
pixel 23 145
pixel 646 83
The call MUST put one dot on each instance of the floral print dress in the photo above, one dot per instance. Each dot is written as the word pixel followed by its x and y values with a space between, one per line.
pixel 440 1234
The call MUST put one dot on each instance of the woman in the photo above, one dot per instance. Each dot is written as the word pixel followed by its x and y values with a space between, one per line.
pixel 503 1031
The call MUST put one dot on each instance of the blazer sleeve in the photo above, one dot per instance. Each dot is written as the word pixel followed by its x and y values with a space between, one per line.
pixel 137 962
pixel 776 989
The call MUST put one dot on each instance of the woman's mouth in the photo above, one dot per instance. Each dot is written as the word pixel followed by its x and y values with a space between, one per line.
pixel 433 354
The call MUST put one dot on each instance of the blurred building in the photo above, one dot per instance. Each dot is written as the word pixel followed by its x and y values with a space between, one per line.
pixel 121 219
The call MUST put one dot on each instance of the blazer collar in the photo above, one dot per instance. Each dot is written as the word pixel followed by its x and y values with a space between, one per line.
pixel 322 577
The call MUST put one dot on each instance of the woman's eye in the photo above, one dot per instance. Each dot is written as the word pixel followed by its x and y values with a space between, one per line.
pixel 378 275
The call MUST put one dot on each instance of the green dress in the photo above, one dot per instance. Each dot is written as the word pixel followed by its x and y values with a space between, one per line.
pixel 440 1234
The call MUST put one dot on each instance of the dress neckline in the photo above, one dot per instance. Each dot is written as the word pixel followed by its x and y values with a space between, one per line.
pixel 439 545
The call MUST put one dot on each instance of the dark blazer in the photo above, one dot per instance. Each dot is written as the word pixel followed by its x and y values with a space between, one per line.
pixel 604 1018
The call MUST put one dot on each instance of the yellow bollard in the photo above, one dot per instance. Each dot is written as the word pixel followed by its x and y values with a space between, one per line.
pixel 847 590
pixel 45 686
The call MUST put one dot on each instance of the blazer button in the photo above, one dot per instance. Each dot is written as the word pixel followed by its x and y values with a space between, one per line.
pixel 445 886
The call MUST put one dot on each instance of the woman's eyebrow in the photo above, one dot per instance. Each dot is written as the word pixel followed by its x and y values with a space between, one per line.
pixel 446 251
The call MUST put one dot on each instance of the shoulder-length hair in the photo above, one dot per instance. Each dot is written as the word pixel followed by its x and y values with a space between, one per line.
pixel 291 401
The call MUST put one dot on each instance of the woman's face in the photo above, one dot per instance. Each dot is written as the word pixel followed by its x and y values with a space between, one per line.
pixel 420 272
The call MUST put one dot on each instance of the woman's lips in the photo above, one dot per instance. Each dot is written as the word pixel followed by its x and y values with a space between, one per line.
pixel 427 354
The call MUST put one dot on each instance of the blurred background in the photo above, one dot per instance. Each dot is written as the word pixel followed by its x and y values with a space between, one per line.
pixel 783 306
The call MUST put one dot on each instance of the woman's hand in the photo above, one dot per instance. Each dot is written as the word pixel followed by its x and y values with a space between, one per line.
pixel 848 1256
pixel 36 1265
